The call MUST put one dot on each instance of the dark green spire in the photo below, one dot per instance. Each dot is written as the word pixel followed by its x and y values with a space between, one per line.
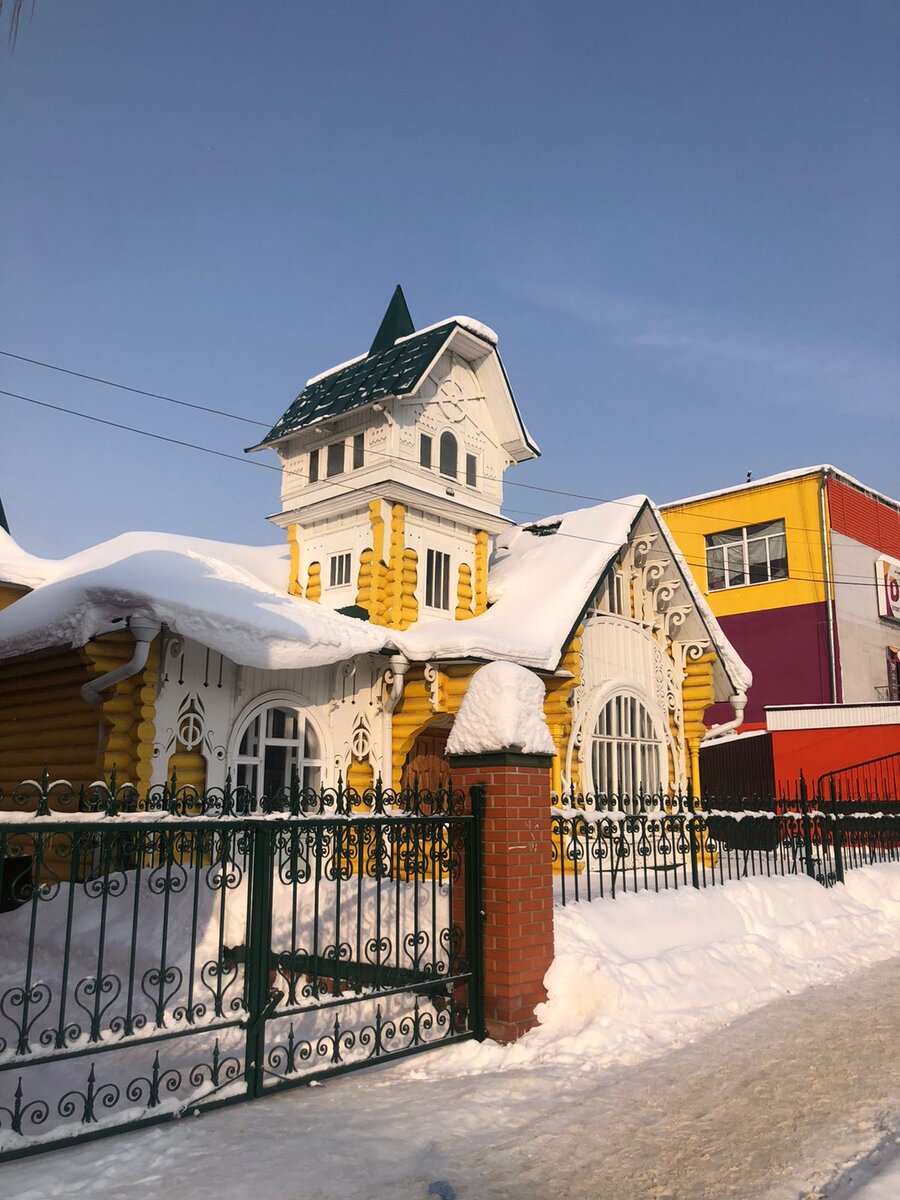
pixel 4 524
pixel 396 323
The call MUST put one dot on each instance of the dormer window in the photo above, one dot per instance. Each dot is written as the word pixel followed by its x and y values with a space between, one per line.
pixel 335 459
pixel 448 456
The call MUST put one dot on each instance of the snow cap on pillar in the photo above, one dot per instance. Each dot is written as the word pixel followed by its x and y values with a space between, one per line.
pixel 503 709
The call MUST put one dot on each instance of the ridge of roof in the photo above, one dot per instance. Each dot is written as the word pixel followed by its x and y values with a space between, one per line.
pixel 783 477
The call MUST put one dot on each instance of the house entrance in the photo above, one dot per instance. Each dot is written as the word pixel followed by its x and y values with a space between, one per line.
pixel 426 765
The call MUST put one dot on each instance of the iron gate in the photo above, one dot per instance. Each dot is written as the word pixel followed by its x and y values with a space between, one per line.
pixel 166 954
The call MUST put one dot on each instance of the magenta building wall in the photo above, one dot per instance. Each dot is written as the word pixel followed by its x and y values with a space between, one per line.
pixel 787 651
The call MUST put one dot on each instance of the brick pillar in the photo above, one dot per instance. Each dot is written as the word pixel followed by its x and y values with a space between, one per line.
pixel 518 883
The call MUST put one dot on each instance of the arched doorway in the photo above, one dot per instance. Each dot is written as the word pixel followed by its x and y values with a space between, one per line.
pixel 426 765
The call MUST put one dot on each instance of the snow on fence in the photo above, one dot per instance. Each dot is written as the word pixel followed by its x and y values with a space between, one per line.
pixel 176 950
pixel 605 845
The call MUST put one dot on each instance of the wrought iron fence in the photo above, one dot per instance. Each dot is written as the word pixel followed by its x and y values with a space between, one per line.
pixel 603 846
pixel 165 953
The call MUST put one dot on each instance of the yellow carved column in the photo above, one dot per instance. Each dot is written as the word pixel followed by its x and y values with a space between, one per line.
pixel 314 582
pixel 295 588
pixel 464 593
pixel 481 572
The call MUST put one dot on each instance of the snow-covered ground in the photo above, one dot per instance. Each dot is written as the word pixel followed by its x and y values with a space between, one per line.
pixel 685 1051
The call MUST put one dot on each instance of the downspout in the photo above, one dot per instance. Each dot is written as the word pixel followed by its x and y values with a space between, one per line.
pixel 829 589
pixel 396 675
pixel 738 703
pixel 144 631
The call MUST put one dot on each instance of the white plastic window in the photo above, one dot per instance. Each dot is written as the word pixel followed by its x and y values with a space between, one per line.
pixel 437 580
pixel 626 749
pixel 274 744
pixel 339 568
pixel 754 554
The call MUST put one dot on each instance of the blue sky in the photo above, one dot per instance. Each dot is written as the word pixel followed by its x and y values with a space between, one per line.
pixel 681 218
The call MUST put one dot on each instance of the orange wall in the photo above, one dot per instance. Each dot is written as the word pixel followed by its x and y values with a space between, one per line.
pixel 864 518
pixel 815 751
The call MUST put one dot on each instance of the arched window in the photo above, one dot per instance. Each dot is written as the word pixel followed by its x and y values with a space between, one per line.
pixel 448 455
pixel 276 740
pixel 626 749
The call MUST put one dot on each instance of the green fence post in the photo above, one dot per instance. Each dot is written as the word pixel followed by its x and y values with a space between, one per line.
pixel 259 951
pixel 837 833
pixel 475 913
pixel 807 828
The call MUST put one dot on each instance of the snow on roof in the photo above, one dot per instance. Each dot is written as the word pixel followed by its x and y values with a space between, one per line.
pixel 784 477
pixel 469 323
pixel 18 566
pixel 503 709
pixel 539 585
pixel 229 597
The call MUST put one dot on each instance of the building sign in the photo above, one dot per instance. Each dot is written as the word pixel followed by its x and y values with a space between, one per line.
pixel 887 578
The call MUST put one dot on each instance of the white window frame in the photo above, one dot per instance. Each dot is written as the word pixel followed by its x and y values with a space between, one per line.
pixel 630 753
pixel 340 564
pixel 742 538
pixel 310 769
pixel 443 581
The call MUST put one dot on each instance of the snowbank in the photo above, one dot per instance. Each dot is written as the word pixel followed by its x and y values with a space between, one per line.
pixel 644 973
pixel 503 709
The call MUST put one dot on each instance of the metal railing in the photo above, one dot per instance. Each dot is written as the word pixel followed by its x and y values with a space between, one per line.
pixel 168 952
pixel 603 846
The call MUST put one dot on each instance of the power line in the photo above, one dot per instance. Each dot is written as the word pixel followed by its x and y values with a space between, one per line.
pixel 218 412
pixel 846 580
pixel 725 519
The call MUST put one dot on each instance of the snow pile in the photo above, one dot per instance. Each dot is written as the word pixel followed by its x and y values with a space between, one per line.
pixel 18 566
pixel 641 974
pixel 231 598
pixel 503 709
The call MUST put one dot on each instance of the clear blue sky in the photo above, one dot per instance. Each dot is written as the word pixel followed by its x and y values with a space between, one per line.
pixel 681 218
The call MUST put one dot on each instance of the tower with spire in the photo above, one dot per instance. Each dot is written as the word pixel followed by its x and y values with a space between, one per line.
pixel 392 472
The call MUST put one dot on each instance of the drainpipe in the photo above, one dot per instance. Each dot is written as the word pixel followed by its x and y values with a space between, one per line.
pixel 829 589
pixel 397 668
pixel 738 703
pixel 144 631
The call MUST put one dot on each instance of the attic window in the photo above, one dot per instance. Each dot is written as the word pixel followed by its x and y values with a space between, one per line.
pixel 313 466
pixel 545 530
pixel 335 459
pixel 448 455
pixel 471 470
pixel 425 451
pixel 359 451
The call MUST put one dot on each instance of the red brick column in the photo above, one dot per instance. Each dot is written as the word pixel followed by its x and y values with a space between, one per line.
pixel 517 883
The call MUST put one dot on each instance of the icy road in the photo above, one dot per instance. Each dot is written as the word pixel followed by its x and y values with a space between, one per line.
pixel 781 1103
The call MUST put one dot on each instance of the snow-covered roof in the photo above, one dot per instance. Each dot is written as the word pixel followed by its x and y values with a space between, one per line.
pixel 540 583
pixel 784 477
pixel 232 598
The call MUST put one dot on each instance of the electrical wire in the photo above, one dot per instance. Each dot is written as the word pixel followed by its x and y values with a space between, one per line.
pixel 847 580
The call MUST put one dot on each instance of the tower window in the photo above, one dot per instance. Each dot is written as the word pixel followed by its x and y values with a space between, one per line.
pixel 471 470
pixel 448 455
pixel 335 459
pixel 313 466
pixel 437 580
pixel 425 451
pixel 359 451
pixel 339 569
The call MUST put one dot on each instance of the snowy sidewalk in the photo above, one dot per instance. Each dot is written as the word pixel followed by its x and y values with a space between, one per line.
pixel 771 1106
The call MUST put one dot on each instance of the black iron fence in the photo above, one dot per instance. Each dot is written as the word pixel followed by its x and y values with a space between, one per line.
pixel 165 953
pixel 606 845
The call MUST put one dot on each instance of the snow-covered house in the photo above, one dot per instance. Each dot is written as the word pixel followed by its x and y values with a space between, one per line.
pixel 348 648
